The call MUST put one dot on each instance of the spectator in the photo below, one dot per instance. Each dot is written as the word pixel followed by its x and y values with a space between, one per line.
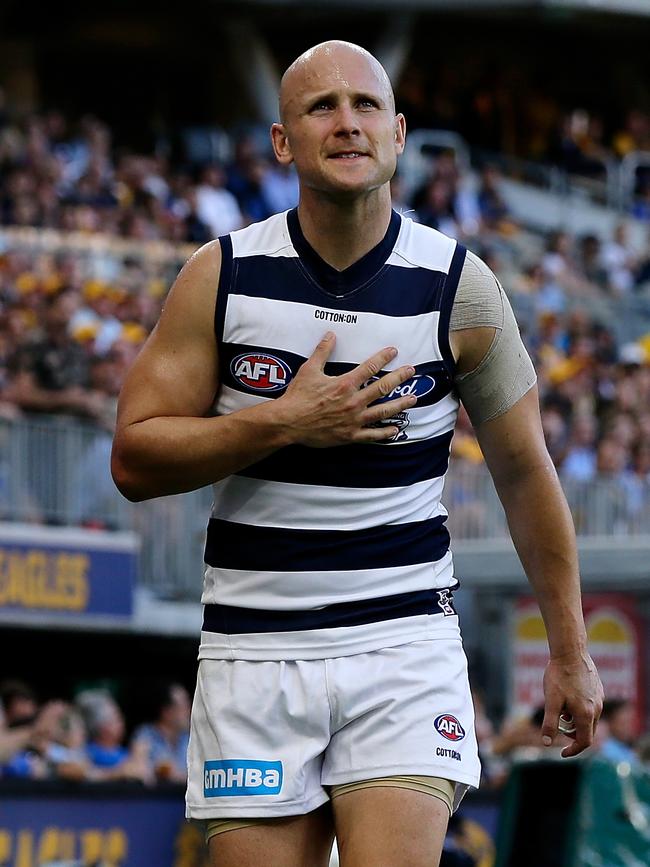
pixel 19 703
pixel 252 196
pixel 437 211
pixel 51 372
pixel 165 739
pixel 619 262
pixel 619 717
pixel 494 211
pixel 557 263
pixel 590 261
pixel 641 206
pixel 521 739
pixel 25 731
pixel 581 150
pixel 579 464
pixel 555 433
pixel 280 188
pixel 106 728
pixel 611 460
pixel 96 317
pixel 215 205
pixel 67 753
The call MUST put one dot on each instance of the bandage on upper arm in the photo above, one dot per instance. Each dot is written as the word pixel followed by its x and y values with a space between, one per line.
pixel 506 373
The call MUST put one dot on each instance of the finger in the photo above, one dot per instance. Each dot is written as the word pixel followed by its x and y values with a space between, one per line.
pixel 371 366
pixel 324 348
pixel 375 434
pixel 552 712
pixel 383 386
pixel 389 409
pixel 582 739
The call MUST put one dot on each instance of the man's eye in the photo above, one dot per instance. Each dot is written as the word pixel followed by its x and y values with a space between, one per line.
pixel 367 103
pixel 323 105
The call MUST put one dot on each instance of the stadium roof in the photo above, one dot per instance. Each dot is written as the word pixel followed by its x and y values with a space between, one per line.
pixel 620 7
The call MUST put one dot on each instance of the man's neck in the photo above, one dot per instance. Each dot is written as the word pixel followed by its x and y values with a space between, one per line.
pixel 343 232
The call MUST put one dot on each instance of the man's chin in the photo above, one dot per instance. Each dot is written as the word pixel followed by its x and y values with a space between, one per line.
pixel 346 189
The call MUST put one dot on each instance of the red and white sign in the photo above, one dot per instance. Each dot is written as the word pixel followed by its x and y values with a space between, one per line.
pixel 616 643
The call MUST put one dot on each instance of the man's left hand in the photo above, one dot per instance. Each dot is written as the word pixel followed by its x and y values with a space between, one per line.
pixel 572 688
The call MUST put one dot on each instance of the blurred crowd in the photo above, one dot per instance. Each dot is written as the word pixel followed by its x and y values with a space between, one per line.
pixel 504 113
pixel 92 236
pixel 85 740
pixel 519 739
pixel 56 175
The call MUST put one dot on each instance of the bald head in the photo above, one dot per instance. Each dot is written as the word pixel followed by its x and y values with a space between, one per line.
pixel 327 62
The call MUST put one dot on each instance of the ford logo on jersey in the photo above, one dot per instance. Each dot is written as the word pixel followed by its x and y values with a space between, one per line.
pixel 417 385
pixel 260 372
pixel 241 777
pixel 449 727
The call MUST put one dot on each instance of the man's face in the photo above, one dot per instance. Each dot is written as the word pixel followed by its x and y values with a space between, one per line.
pixel 622 724
pixel 180 708
pixel 339 124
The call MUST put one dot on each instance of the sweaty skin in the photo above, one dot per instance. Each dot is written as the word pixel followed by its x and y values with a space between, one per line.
pixel 303 74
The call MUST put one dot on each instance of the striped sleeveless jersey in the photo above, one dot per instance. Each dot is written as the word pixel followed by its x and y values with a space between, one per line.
pixel 326 552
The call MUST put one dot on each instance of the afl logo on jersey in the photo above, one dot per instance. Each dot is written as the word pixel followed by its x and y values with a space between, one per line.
pixel 449 727
pixel 261 372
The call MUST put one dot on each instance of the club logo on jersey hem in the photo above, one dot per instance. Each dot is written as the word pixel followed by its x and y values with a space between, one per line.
pixel 445 602
pixel 449 727
pixel 260 371
pixel 231 777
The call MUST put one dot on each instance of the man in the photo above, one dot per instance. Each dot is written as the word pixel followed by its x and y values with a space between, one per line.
pixel 332 688
pixel 165 737
pixel 620 724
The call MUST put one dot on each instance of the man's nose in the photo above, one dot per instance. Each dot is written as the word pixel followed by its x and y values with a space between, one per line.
pixel 347 122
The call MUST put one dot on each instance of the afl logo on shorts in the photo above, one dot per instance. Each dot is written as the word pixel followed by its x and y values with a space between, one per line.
pixel 449 727
pixel 260 372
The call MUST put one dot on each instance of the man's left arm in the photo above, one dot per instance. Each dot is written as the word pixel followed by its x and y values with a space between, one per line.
pixel 495 379
pixel 542 531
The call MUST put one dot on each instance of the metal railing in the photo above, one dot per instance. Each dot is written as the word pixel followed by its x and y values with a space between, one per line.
pixel 55 470
pixel 615 188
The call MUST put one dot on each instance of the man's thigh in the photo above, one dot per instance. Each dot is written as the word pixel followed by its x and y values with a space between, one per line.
pixel 389 827
pixel 296 841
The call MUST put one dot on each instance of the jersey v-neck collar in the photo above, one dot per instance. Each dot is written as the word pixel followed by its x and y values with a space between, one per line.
pixel 342 283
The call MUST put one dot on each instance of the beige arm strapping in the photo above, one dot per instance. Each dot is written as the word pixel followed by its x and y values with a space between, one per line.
pixel 506 372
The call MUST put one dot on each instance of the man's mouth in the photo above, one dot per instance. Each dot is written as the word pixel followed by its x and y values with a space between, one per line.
pixel 347 155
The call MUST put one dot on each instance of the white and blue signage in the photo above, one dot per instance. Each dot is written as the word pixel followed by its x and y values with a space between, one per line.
pixel 66 574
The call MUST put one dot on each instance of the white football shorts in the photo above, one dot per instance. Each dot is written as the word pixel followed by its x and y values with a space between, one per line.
pixel 269 737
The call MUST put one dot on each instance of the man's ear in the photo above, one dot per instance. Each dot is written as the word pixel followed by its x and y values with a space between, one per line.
pixel 281 146
pixel 400 133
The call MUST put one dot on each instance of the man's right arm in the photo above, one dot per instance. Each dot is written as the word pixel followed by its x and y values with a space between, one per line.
pixel 165 441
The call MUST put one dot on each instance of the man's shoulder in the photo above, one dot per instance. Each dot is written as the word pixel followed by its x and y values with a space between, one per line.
pixel 420 246
pixel 269 237
pixel 146 732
